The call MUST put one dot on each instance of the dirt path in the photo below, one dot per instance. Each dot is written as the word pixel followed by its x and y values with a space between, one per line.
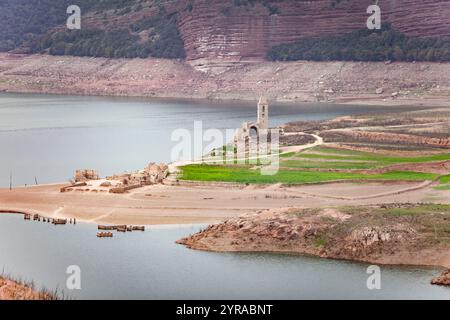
pixel 174 167
pixel 318 142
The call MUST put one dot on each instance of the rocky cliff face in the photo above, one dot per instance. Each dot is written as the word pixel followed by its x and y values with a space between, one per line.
pixel 232 30
pixel 225 30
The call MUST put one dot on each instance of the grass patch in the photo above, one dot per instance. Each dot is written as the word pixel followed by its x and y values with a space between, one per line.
pixel 327 160
pixel 338 154
pixel 442 188
pixel 334 158
pixel 305 164
pixel 320 241
pixel 287 155
pixel 445 179
pixel 247 175
pixel 445 183
pixel 418 210
pixel 337 151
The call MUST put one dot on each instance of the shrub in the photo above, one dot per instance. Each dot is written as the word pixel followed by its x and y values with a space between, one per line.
pixel 364 45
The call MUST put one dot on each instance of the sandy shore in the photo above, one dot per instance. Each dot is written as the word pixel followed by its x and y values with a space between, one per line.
pixel 165 204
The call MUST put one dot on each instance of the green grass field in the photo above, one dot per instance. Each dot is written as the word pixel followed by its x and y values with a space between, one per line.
pixel 295 168
pixel 248 175
pixel 445 183
pixel 445 179
pixel 305 164
pixel 353 159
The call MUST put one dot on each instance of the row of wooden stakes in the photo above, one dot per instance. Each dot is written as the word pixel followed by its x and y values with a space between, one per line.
pixel 118 228
pixel 37 217
pixel 122 228
pixel 104 234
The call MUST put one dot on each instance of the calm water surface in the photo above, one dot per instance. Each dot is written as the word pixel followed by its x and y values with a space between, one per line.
pixel 48 137
pixel 150 265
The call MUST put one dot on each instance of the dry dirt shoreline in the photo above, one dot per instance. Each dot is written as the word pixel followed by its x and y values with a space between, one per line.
pixel 206 204
pixel 203 203
pixel 421 84
pixel 362 233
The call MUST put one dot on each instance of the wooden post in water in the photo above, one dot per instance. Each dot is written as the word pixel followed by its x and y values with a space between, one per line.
pixel 10 180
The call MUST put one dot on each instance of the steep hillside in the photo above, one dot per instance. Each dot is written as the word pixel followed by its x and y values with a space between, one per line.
pixel 233 31
pixel 110 28
pixel 224 30
pixel 386 44
pixel 23 20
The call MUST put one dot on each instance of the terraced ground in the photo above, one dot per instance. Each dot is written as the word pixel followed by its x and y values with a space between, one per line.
pixel 402 146
pixel 334 158
pixel 322 164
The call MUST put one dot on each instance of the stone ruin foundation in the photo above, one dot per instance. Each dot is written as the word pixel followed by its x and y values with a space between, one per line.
pixel 88 180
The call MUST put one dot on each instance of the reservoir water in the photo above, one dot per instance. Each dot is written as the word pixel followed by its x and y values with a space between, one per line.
pixel 49 136
pixel 149 265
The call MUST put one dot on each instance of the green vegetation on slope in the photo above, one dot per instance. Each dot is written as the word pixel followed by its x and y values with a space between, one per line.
pixel 22 21
pixel 163 41
pixel 28 24
pixel 364 45
pixel 273 9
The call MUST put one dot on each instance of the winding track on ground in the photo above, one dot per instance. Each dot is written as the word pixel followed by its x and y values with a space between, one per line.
pixel 319 141
pixel 174 167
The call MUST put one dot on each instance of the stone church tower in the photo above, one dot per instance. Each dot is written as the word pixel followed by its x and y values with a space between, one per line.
pixel 263 114
pixel 261 126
